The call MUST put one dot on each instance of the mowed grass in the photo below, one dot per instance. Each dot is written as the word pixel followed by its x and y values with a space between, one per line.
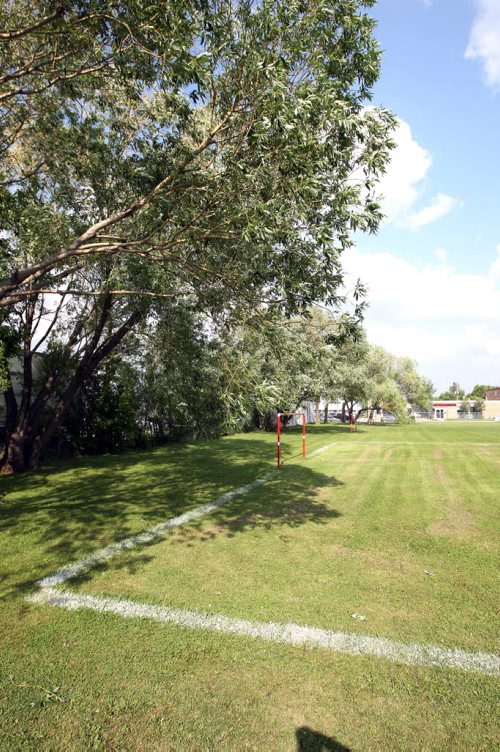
pixel 399 524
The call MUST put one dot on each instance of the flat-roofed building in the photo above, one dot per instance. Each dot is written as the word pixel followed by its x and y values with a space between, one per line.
pixel 445 410
pixel 491 408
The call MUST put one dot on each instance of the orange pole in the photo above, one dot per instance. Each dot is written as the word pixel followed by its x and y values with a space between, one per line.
pixel 304 435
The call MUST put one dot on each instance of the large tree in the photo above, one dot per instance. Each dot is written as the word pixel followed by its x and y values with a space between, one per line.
pixel 393 384
pixel 375 379
pixel 218 154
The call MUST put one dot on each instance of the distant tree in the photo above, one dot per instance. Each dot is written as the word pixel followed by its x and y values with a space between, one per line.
pixel 478 405
pixel 417 389
pixel 455 392
pixel 479 391
pixel 350 382
pixel 465 406
pixel 279 364
pixel 393 384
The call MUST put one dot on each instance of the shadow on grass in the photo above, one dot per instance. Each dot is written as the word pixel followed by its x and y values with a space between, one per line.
pixel 289 500
pixel 74 508
pixel 312 741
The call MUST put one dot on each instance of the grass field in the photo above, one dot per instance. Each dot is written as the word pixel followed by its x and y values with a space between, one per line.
pixel 396 524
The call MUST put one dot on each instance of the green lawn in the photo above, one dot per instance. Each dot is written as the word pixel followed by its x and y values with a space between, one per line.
pixel 399 524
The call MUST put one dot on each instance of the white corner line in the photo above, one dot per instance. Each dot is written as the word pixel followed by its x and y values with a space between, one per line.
pixel 293 634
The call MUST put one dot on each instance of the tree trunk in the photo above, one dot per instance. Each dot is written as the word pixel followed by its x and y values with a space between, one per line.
pixel 29 438
pixel 316 413
pixel 87 365
pixel 350 407
pixel 326 413
pixel 344 406
pixel 10 427
pixel 13 457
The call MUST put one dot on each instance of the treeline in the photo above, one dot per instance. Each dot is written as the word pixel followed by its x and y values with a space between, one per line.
pixel 472 401
pixel 180 377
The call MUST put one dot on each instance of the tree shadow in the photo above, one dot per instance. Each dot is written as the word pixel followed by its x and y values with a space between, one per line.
pixel 312 741
pixel 292 498
pixel 76 507
pixel 287 500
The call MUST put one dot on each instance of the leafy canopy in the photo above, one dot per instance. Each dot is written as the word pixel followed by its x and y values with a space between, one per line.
pixel 221 152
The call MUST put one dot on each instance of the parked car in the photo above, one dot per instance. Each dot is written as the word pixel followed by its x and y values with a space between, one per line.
pixel 388 418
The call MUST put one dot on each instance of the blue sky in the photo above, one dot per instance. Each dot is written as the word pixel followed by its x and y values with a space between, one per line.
pixel 433 270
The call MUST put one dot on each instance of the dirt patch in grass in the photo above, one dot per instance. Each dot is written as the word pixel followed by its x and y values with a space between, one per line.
pixel 486 451
pixel 366 454
pixel 373 559
pixel 387 455
pixel 491 454
pixel 458 522
pixel 455 520
pixel 441 476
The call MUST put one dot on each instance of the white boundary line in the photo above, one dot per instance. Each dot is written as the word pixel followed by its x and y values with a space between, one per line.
pixel 114 549
pixel 292 634
pixel 323 448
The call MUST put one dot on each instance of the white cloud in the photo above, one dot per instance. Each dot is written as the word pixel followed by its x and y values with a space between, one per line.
pixel 441 254
pixel 402 185
pixel 408 167
pixel 495 267
pixel 441 205
pixel 447 321
pixel 484 42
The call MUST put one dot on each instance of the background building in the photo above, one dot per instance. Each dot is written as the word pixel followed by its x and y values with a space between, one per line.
pixel 492 404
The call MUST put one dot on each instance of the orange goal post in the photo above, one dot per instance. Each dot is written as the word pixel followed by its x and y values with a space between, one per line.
pixel 278 435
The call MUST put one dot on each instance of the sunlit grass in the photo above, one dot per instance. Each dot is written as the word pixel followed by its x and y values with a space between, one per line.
pixel 397 523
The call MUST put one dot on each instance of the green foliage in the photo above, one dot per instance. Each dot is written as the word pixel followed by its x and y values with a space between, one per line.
pixel 278 363
pixel 479 391
pixel 177 378
pixel 377 379
pixel 216 142
pixel 478 405
pixel 186 378
pixel 103 417
pixel 455 392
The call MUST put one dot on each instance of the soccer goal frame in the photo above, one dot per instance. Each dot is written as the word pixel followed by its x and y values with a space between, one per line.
pixel 278 436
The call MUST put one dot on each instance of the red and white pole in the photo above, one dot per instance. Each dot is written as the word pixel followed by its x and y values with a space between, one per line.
pixel 304 435
pixel 278 446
